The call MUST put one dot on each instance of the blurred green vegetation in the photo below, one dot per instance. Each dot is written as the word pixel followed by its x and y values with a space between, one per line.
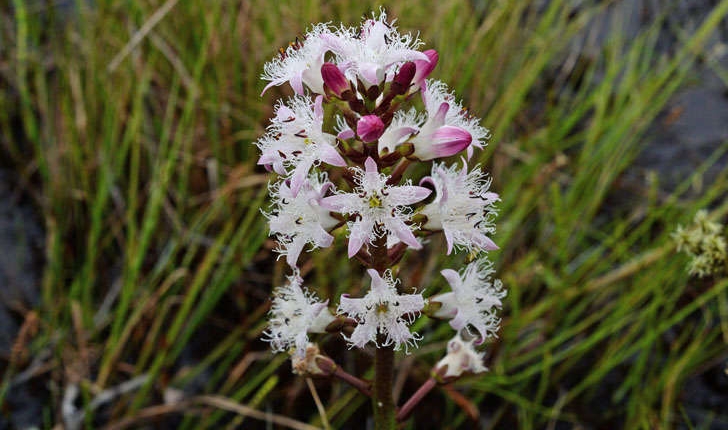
pixel 130 124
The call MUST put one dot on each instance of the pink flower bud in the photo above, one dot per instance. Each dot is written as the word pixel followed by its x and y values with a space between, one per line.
pixel 369 128
pixel 403 78
pixel 334 80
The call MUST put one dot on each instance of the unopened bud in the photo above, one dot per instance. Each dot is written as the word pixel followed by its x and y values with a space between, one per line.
pixel 403 78
pixel 334 80
pixel 369 128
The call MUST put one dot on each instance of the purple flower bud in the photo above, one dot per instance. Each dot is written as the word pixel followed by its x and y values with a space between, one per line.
pixel 403 78
pixel 369 128
pixel 334 80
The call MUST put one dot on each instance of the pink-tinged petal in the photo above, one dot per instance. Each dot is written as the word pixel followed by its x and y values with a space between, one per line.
pixel 441 114
pixel 407 194
pixel 297 83
pixel 358 235
pixel 428 180
pixel 339 202
pixel 328 154
pixel 272 84
pixel 325 187
pixel 370 166
pixel 490 197
pixel 317 307
pixel 321 237
pixel 378 284
pixel 369 128
pixel 318 107
pixel 313 80
pixel 334 79
pixel 411 303
pixel 374 34
pixel 300 175
pixel 485 243
pixel 362 334
pixel 279 168
pixel 403 232
pixel 347 304
pixel 444 142
pixel 268 157
pixel 449 241
pixel 399 332
pixel 424 68
pixel 369 71
pixel 293 251
pixel 390 139
pixel 346 134
pixel 452 278
pixel 331 42
pixel 447 302
pixel 449 140
pixel 284 113
pixel 459 321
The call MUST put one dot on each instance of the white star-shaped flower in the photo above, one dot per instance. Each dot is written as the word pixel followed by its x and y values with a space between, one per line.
pixel 301 62
pixel 295 313
pixel 463 208
pixel 295 141
pixel 382 311
pixel 376 51
pixel 299 219
pixel 381 209
pixel 473 300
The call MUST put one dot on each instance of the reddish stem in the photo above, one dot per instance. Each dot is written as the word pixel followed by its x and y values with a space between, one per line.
pixel 420 394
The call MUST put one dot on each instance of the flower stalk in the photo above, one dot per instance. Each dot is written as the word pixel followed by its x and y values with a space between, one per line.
pixel 382 400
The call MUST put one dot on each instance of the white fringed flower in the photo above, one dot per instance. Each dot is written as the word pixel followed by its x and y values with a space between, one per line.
pixel 473 300
pixel 301 62
pixel 381 209
pixel 295 141
pixel 382 311
pixel 376 51
pixel 299 219
pixel 295 313
pixel 463 208
pixel 461 357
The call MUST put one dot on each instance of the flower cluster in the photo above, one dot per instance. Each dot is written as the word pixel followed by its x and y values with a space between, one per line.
pixel 704 241
pixel 363 112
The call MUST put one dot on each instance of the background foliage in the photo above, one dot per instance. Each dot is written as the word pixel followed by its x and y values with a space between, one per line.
pixel 129 125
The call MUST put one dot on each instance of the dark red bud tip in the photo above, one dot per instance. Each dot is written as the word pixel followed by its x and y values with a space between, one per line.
pixel 335 81
pixel 403 78
pixel 406 73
